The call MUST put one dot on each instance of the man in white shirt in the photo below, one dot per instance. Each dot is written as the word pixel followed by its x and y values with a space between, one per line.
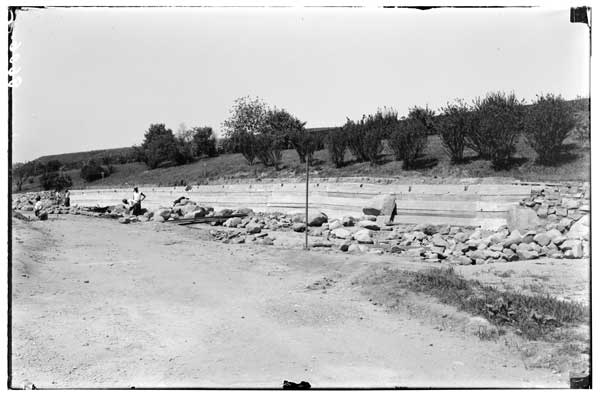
pixel 136 206
pixel 37 208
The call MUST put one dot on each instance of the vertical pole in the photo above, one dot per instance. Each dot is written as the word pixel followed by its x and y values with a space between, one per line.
pixel 306 212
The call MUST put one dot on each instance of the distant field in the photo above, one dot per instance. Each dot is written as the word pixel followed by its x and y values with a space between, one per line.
pixel 83 156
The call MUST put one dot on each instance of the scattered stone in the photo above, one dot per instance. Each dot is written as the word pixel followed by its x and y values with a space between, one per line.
pixel 581 229
pixel 316 219
pixel 233 222
pixel 381 205
pixel 542 239
pixel 333 224
pixel 253 228
pixel 344 246
pixel 396 249
pixel 427 229
pixel 348 221
pixel 510 255
pixel 461 237
pixel 570 203
pixel 437 240
pixel 369 225
pixel 527 254
pixel 464 260
pixel 514 237
pixel 363 236
pixel 341 233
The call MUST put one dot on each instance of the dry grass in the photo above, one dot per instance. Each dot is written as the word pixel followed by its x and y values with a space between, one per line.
pixel 534 316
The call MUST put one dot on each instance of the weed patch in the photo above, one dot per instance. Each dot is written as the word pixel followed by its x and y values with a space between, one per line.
pixel 535 317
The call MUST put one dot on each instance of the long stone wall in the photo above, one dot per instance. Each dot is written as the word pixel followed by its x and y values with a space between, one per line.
pixel 485 205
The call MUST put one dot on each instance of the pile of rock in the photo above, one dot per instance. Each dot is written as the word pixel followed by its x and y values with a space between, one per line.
pixel 553 205
pixel 242 236
pixel 560 228
pixel 26 201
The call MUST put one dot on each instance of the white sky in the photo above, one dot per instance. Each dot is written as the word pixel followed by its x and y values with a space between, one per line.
pixel 97 78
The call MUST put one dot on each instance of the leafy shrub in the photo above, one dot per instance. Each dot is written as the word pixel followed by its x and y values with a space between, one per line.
pixel 277 134
pixel 498 124
pixel 204 142
pixel 55 181
pixel 454 124
pixel 160 147
pixel 547 124
pixel 409 138
pixel 582 127
pixel 93 171
pixel 52 166
pixel 247 119
pixel 336 144
pixel 365 137
pixel 305 143
pixel 21 172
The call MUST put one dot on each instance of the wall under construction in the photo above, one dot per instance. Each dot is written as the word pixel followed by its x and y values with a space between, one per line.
pixel 486 205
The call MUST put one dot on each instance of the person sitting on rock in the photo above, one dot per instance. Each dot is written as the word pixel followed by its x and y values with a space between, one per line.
pixel 37 208
pixel 138 197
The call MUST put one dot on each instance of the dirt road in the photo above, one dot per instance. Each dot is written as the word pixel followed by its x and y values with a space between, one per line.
pixel 99 304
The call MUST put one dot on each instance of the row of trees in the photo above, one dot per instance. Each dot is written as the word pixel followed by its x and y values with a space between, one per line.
pixel 490 126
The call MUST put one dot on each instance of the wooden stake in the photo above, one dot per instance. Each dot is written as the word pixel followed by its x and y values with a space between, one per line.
pixel 306 212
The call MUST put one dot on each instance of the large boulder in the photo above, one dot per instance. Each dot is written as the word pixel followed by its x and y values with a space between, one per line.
pixel 527 254
pixel 232 222
pixel 369 225
pixel 333 224
pixel 542 239
pixel 315 218
pixel 244 211
pixel 437 240
pixel 193 211
pixel 163 213
pixel 340 233
pixel 581 229
pixel 514 237
pixel 299 227
pixel 253 228
pixel 522 218
pixel 224 212
pixel 427 229
pixel 382 205
pixel 570 244
pixel 348 221
pixel 363 236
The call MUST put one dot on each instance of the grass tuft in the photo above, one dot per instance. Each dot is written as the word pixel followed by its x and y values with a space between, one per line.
pixel 535 317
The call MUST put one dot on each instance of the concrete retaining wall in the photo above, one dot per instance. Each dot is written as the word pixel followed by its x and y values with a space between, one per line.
pixel 485 205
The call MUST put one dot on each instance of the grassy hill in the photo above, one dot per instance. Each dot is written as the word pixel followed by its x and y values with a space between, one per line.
pixel 434 167
pixel 82 156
